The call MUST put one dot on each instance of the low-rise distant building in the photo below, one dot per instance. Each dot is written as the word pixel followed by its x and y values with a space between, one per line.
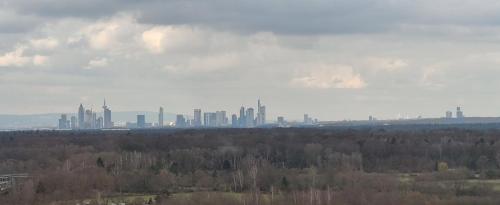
pixel 281 121
pixel 449 114
pixel 460 113
pixel 63 122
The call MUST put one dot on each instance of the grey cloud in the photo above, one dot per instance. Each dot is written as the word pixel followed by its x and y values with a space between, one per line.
pixel 62 8
pixel 287 17
pixel 260 64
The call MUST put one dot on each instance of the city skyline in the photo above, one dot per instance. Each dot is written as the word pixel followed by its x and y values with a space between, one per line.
pixel 88 119
pixel 260 108
pixel 247 117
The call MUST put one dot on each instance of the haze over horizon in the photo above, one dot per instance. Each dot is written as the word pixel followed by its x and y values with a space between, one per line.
pixel 335 60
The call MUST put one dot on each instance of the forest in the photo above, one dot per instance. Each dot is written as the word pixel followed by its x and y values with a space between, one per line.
pixel 303 166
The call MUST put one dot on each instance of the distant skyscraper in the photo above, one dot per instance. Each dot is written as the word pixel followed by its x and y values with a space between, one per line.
pixel 160 117
pixel 180 121
pixel 250 118
pixel 243 118
pixel 261 114
pixel 210 119
pixel 141 121
pixel 220 118
pixel 460 114
pixel 234 120
pixel 449 114
pixel 107 116
pixel 81 117
pixel 197 118
pixel 74 124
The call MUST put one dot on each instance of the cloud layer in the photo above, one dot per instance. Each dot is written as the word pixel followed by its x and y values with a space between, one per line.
pixel 342 59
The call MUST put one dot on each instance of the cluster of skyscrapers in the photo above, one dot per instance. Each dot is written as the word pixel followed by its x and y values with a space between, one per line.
pixel 246 119
pixel 87 119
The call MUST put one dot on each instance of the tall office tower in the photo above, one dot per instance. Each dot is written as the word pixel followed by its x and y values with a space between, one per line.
pixel 63 122
pixel 74 124
pixel 234 120
pixel 449 114
pixel 180 121
pixel 81 117
pixel 250 119
pixel 210 119
pixel 160 117
pixel 107 116
pixel 460 114
pixel 220 118
pixel 307 119
pixel 243 118
pixel 141 121
pixel 261 114
pixel 197 118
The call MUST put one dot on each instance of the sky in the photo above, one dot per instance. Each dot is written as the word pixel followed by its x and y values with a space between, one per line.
pixel 332 59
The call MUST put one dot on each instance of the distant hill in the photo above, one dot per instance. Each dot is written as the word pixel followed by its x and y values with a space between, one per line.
pixel 50 120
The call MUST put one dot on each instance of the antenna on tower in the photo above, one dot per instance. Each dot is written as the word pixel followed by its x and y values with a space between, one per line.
pixel 104 106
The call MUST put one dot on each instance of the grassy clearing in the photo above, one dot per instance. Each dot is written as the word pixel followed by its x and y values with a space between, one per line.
pixel 494 183
pixel 127 199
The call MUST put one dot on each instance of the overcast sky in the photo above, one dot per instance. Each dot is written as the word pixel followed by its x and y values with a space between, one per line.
pixel 333 59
